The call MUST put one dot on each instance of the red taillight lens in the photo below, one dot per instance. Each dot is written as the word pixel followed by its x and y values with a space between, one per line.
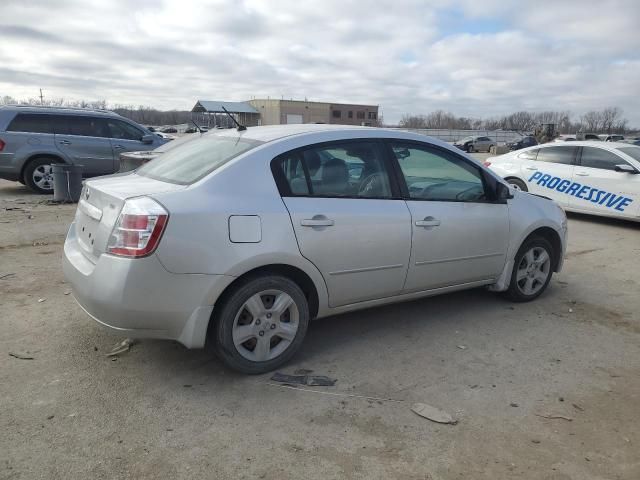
pixel 487 163
pixel 139 228
pixel 2 144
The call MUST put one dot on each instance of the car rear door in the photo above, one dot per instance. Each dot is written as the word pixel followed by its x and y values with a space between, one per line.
pixel 84 140
pixel 551 173
pixel 598 188
pixel 459 235
pixel 348 217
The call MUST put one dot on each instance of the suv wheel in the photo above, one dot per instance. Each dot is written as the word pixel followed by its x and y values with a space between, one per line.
pixel 38 175
pixel 261 324
pixel 532 270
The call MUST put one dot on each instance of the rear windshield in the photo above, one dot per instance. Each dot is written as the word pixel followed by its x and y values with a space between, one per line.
pixel 633 152
pixel 191 161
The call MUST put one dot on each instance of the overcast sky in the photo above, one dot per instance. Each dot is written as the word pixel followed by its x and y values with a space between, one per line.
pixel 474 58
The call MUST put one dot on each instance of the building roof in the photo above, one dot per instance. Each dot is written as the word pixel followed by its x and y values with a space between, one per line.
pixel 214 106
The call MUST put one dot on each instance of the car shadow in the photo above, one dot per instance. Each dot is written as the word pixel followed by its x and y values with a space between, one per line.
pixel 600 220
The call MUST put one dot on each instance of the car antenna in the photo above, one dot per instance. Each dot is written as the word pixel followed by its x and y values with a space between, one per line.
pixel 240 127
pixel 197 126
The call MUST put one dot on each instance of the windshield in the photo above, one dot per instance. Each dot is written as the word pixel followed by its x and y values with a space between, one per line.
pixel 465 139
pixel 633 152
pixel 191 161
pixel 176 142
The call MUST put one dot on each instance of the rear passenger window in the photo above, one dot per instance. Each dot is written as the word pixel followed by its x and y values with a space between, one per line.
pixel 348 170
pixel 600 158
pixel 87 126
pixel 562 155
pixel 31 123
pixel 529 154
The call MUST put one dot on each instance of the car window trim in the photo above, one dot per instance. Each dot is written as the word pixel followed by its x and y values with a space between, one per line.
pixel 430 146
pixel 574 161
pixel 285 189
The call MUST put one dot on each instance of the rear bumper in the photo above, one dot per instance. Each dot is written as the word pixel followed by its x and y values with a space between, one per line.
pixel 139 298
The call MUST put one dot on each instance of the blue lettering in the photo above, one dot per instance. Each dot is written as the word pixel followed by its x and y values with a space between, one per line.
pixel 614 200
pixel 573 188
pixel 598 196
pixel 562 186
pixel 625 201
pixel 582 191
pixel 535 176
pixel 593 190
pixel 543 181
pixel 604 198
pixel 553 182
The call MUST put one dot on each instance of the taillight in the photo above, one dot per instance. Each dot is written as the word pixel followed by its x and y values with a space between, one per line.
pixel 138 229
pixel 487 163
pixel 2 144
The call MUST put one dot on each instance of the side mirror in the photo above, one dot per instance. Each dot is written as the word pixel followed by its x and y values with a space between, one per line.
pixel 624 168
pixel 503 192
pixel 147 139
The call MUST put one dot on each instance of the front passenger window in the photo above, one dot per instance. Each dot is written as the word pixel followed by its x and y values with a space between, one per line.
pixel 124 131
pixel 432 174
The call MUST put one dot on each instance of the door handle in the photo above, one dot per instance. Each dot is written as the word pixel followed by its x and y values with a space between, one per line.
pixel 531 168
pixel 317 222
pixel 582 174
pixel 118 147
pixel 428 222
pixel 64 142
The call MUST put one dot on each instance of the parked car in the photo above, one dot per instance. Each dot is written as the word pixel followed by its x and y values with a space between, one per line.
pixel 132 160
pixel 240 238
pixel 588 136
pixel 611 138
pixel 524 142
pixel 565 138
pixel 169 130
pixel 588 177
pixel 32 138
pixel 475 144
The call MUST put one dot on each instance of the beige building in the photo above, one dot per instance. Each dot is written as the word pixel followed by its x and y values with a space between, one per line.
pixel 280 112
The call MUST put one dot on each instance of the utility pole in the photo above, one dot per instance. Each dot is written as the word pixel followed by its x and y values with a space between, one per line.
pixel 41 98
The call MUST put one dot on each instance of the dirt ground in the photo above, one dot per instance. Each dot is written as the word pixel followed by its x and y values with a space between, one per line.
pixel 161 411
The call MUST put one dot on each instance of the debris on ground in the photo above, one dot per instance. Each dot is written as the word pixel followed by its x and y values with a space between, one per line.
pixel 555 417
pixel 50 417
pixel 122 347
pixel 577 407
pixel 67 292
pixel 535 441
pixel 571 310
pixel 20 356
pixel 514 405
pixel 7 275
pixel 433 414
pixel 302 371
pixel 309 380
pixel 40 300
pixel 462 347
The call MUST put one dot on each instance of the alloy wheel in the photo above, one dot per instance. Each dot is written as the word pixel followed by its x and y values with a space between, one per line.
pixel 533 271
pixel 43 177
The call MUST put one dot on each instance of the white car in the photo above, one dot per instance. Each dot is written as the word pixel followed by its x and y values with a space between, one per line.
pixel 587 177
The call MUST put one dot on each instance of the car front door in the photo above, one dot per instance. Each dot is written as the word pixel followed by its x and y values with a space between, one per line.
pixel 128 138
pixel 599 188
pixel 460 235
pixel 348 217
pixel 84 140
pixel 551 173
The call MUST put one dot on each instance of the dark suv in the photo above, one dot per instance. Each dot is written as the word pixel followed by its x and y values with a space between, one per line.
pixel 32 138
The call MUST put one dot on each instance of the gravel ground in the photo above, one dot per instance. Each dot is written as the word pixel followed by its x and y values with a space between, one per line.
pixel 161 411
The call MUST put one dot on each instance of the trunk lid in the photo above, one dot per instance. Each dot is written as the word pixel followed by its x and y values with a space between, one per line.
pixel 100 204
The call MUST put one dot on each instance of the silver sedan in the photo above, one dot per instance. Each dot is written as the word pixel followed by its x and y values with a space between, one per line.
pixel 240 238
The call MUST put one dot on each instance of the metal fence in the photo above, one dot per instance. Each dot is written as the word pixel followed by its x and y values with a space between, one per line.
pixel 499 136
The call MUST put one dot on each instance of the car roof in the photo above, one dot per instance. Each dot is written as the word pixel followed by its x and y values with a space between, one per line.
pixel 275 132
pixel 68 110
pixel 579 143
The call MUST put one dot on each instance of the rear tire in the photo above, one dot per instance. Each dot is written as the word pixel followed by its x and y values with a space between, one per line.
pixel 518 184
pixel 532 270
pixel 38 175
pixel 470 148
pixel 261 325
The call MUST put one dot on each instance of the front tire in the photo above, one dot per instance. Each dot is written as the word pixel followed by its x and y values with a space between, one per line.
pixel 38 175
pixel 517 184
pixel 470 148
pixel 262 324
pixel 532 270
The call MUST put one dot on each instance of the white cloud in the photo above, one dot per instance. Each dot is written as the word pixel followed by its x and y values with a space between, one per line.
pixel 488 58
